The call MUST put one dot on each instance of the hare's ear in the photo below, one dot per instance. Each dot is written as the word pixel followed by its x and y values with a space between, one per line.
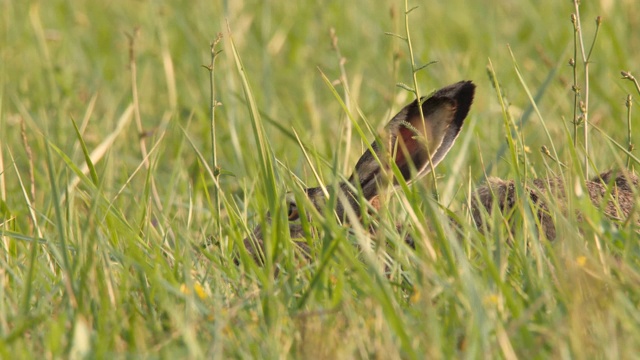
pixel 411 140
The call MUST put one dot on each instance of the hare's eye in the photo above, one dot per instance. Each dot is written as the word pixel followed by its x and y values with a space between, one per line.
pixel 293 211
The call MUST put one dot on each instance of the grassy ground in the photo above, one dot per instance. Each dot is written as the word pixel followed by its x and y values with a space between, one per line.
pixel 118 233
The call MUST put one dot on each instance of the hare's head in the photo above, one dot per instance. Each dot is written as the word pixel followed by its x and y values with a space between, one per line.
pixel 415 140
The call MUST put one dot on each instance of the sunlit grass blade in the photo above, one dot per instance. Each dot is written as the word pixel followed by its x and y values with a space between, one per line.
pixel 87 156
pixel 265 154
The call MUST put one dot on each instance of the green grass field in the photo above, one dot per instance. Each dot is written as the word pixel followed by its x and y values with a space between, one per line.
pixel 120 220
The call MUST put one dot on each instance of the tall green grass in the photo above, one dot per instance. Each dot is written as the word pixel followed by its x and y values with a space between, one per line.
pixel 123 209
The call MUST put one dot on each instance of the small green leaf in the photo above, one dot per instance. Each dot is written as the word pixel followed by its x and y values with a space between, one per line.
pixel 406 87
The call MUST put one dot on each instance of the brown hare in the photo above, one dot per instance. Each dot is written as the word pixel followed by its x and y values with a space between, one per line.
pixel 417 143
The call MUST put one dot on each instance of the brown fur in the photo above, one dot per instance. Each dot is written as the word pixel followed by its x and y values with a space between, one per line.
pixel 619 205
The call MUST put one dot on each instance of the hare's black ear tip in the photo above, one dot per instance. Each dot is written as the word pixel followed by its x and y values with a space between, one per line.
pixel 468 85
pixel 462 93
pixel 465 91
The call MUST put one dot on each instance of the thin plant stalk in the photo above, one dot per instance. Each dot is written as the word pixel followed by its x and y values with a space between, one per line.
pixel 134 93
pixel 628 76
pixel 575 87
pixel 347 93
pixel 585 57
pixel 212 119
pixel 630 146
pixel 416 91
pixel 136 112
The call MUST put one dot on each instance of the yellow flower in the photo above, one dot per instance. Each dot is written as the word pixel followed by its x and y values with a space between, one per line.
pixel 491 299
pixel 200 291
pixel 197 288
pixel 415 297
